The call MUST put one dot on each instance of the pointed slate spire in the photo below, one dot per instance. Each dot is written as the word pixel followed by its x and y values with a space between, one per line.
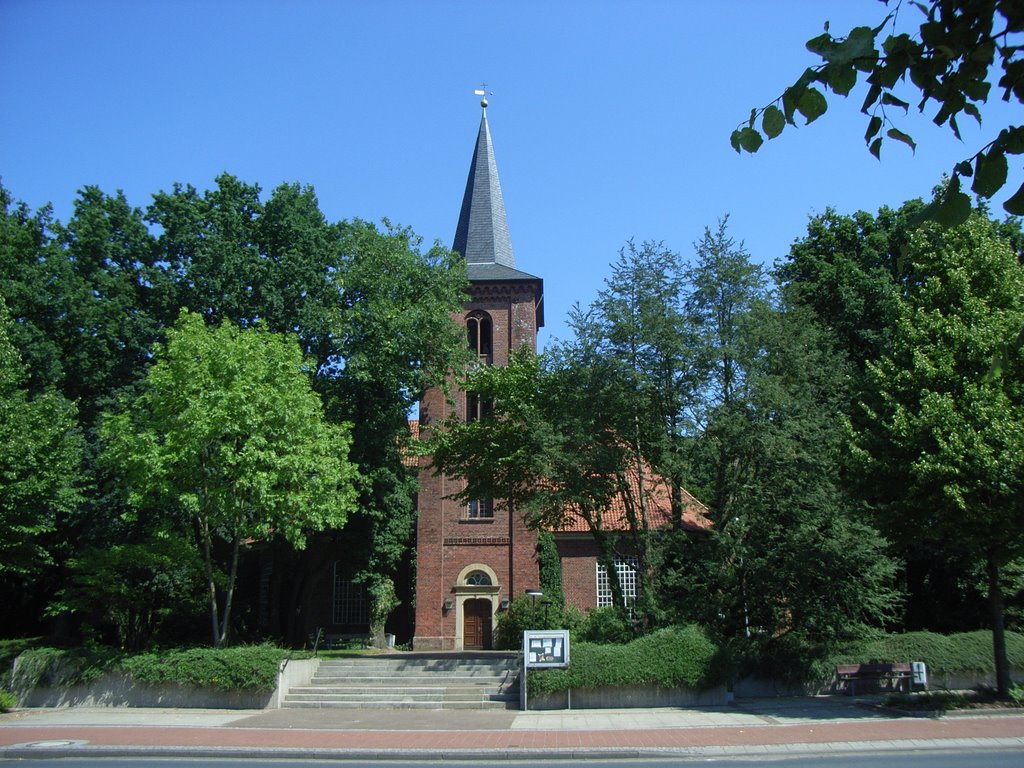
pixel 482 234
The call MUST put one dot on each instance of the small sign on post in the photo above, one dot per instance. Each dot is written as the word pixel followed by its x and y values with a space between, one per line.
pixel 918 675
pixel 543 648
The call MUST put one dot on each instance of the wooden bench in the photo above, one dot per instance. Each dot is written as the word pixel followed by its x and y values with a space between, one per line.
pixel 344 642
pixel 897 673
pixel 329 641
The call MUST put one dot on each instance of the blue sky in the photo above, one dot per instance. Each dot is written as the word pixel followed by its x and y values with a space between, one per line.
pixel 610 120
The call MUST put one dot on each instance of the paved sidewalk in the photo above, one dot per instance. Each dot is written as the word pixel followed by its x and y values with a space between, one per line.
pixel 751 727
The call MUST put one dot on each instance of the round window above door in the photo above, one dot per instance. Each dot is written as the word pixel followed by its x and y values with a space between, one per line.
pixel 478 579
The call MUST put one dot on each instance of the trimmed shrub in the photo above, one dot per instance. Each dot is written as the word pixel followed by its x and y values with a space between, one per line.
pixel 606 625
pixel 522 614
pixel 790 658
pixel 670 658
pixel 793 658
pixel 10 649
pixel 247 668
pixel 59 667
pixel 944 654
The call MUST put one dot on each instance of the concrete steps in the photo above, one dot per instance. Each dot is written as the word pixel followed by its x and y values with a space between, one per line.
pixel 412 681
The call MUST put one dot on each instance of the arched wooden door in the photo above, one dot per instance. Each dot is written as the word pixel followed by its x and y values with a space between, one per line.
pixel 476 625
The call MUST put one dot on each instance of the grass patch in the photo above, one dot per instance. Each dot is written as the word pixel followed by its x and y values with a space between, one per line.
pixel 343 653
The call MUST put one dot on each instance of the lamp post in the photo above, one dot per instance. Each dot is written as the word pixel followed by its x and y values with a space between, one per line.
pixel 533 594
pixel 546 604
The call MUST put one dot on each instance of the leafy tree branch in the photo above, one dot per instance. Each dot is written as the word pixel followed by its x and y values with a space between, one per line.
pixel 952 61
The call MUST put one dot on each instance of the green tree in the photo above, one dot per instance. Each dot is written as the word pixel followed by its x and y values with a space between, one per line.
pixel 108 290
pixel 549 447
pixel 391 336
pixel 723 285
pixel 40 462
pixel 789 550
pixel 951 60
pixel 596 422
pixel 369 307
pixel 851 271
pixel 941 447
pixel 367 304
pixel 855 273
pixel 229 437
pixel 25 288
pixel 211 241
pixel 133 589
pixel 638 323
pixel 765 457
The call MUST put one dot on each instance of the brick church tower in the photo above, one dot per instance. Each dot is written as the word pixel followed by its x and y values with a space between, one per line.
pixel 471 559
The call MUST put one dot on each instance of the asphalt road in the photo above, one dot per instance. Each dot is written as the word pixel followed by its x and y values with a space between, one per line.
pixel 903 759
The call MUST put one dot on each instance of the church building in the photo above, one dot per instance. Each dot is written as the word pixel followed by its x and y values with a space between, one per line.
pixel 472 559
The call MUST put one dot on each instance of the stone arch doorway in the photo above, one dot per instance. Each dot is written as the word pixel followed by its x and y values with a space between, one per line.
pixel 476 601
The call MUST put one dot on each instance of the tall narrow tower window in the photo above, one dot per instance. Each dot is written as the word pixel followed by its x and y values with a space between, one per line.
pixel 477 407
pixel 478 333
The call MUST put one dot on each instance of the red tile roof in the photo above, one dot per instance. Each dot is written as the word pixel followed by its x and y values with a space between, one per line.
pixel 410 458
pixel 659 512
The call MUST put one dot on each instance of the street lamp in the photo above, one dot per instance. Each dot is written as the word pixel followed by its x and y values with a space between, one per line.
pixel 546 604
pixel 533 594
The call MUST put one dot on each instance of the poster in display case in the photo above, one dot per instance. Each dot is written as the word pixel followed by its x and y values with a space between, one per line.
pixel 546 648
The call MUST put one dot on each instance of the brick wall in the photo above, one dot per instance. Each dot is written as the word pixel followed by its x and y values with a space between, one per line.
pixel 579 570
pixel 446 541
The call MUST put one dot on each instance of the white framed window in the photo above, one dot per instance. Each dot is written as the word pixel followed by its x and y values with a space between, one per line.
pixel 480 509
pixel 350 603
pixel 625 567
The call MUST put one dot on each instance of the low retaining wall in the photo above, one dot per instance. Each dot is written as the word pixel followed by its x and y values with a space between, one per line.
pixel 627 697
pixel 119 690
pixel 293 673
pixel 962 681
pixel 751 687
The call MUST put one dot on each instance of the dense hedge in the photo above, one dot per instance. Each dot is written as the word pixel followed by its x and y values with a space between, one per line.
pixel 794 659
pixel 670 658
pixel 249 668
pixel 60 667
pixel 673 657
pixel 944 654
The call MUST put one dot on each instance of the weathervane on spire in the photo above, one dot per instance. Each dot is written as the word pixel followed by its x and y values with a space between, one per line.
pixel 482 91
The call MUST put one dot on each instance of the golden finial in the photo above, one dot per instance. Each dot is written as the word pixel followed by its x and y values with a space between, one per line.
pixel 482 91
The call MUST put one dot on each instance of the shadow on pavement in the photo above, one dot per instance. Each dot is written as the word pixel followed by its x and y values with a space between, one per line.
pixel 813 709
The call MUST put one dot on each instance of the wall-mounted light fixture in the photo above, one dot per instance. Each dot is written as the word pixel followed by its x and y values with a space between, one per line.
pixel 503 605
pixel 448 604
